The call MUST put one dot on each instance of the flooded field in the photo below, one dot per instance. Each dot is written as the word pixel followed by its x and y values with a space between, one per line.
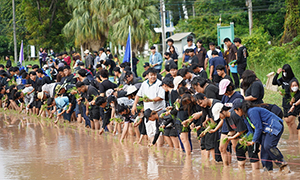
pixel 35 149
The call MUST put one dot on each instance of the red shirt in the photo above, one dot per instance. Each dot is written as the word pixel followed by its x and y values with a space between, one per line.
pixel 67 60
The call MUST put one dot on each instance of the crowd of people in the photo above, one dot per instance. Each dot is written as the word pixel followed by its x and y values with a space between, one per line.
pixel 163 107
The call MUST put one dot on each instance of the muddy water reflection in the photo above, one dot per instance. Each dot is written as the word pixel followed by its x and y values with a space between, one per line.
pixel 31 149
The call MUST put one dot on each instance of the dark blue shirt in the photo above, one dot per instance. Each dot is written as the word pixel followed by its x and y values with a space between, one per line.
pixel 216 61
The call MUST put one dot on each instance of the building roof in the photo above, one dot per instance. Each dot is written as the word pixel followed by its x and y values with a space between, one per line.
pixel 180 36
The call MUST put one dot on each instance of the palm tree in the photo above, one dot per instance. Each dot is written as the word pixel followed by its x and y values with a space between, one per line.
pixel 88 28
pixel 135 13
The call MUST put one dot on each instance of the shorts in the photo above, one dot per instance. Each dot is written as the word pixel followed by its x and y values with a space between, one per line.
pixel 172 131
pixel 209 141
pixel 224 129
pixel 94 112
pixel 241 153
pixel 142 128
pixel 37 104
pixel 286 114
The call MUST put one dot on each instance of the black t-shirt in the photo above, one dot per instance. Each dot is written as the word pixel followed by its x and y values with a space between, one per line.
pixel 173 95
pixel 168 75
pixel 68 79
pixel 235 123
pixel 242 55
pixel 194 60
pixel 256 90
pixel 110 63
pixel 33 83
pixel 202 74
pixel 110 56
pixel 212 91
pixel 90 93
pixel 105 85
pixel 134 61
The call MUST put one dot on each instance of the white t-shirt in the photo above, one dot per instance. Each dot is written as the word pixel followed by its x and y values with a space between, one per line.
pixel 208 54
pixel 189 47
pixel 49 88
pixel 103 56
pixel 152 91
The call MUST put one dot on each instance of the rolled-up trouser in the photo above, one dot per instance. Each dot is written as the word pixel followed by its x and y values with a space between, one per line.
pixel 269 150
pixel 81 109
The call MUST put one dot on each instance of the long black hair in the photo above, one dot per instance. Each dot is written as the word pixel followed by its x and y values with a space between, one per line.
pixel 248 78
pixel 246 105
pixel 289 72
pixel 188 103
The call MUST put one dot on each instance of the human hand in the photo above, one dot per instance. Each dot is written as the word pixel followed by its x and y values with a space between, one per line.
pixel 279 70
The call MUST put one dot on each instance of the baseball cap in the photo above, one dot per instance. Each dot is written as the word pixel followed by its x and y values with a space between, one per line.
pixel 237 103
pixel 223 86
pixel 176 81
pixel 146 64
pixel 147 114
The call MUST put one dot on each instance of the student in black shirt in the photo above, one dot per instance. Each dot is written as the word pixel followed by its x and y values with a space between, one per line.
pixel 42 79
pixel 110 65
pixel 89 93
pixel 106 84
pixel 135 61
pixel 204 86
pixel 69 77
pixel 8 62
pixel 254 89
pixel 221 72
pixel 193 58
pixel 242 55
pixel 199 71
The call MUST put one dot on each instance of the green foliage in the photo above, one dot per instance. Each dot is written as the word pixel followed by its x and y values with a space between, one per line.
pixel 44 22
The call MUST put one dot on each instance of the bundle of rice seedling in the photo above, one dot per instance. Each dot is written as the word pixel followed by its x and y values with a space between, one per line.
pixel 77 96
pixel 145 99
pixel 140 107
pixel 186 129
pixel 224 140
pixel 177 105
pixel 282 91
pixel 161 129
pixel 121 86
pixel 117 120
pixel 243 141
pixel 210 126
pixel 72 89
pixel 44 107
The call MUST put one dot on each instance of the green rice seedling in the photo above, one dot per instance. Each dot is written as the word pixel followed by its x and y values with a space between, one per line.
pixel 72 89
pixel 245 139
pixel 44 107
pixel 282 91
pixel 117 120
pixel 140 107
pixel 195 130
pixel 177 105
pixel 210 126
pixel 186 129
pixel 161 129
pixel 224 140
pixel 144 99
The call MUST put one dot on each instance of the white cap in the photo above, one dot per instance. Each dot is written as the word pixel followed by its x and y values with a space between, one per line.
pixel 109 92
pixel 86 51
pixel 176 81
pixel 130 90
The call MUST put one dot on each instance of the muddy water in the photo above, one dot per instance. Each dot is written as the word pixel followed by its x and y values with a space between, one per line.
pixel 32 149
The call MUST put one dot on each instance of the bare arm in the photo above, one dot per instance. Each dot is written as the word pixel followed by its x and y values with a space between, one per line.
pixel 205 63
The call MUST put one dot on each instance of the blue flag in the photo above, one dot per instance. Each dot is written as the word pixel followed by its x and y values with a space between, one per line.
pixel 127 50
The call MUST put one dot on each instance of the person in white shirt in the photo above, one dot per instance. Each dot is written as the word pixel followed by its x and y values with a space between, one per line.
pixel 212 47
pixel 190 45
pixel 151 88
pixel 102 54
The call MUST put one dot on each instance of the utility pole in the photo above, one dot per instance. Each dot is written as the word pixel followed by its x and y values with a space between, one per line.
pixel 163 34
pixel 193 11
pixel 249 4
pixel 14 27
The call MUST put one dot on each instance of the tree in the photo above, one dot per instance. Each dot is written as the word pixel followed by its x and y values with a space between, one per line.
pixel 291 23
pixel 132 13
pixel 88 26
pixel 44 22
